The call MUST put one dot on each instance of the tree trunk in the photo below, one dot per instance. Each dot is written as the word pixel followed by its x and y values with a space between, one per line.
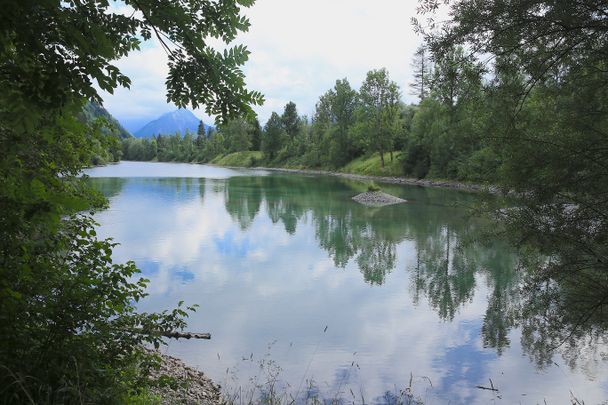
pixel 382 158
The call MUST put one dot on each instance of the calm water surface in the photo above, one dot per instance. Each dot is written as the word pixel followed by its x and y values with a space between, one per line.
pixel 291 274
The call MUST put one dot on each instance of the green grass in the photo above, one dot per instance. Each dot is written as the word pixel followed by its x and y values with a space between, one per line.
pixel 239 159
pixel 373 187
pixel 144 398
pixel 372 166
pixel 365 165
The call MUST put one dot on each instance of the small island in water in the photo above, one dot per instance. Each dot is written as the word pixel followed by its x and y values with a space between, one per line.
pixel 377 199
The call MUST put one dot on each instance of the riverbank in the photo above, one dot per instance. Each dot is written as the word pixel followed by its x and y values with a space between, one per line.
pixel 362 169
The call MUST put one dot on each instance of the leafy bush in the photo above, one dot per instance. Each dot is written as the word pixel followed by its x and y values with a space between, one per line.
pixel 72 332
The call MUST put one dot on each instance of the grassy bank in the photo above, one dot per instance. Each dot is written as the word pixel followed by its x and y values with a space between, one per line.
pixel 372 166
pixel 365 165
pixel 239 159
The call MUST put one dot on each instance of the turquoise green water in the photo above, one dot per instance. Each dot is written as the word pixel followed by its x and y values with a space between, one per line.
pixel 338 300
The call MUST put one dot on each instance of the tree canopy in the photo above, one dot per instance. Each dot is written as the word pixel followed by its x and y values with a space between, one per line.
pixel 52 51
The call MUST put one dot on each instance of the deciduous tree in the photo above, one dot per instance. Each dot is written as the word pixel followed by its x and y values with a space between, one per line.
pixel 379 110
pixel 272 138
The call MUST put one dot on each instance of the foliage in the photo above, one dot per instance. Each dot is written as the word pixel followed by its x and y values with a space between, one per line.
pixel 449 125
pixel 238 135
pixel 200 132
pixel 255 134
pixel 75 345
pixel 379 111
pixel 331 140
pixel 372 166
pixel 272 137
pixel 235 135
pixel 546 102
pixel 291 120
pixel 422 71
pixel 335 117
pixel 67 314
pixel 87 36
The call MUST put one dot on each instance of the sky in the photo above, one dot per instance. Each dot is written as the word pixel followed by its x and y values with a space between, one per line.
pixel 298 50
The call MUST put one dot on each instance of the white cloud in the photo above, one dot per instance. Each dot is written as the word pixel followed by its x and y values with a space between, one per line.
pixel 299 48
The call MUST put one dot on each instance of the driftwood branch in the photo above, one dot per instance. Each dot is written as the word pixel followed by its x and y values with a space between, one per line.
pixel 481 387
pixel 172 334
pixel 185 335
pixel 490 388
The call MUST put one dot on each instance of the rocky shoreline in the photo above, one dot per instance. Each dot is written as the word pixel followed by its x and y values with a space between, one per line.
pixel 177 383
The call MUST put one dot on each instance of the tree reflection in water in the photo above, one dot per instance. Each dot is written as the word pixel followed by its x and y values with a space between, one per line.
pixel 556 312
pixel 448 265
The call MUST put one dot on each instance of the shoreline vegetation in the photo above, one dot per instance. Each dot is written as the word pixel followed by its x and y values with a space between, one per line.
pixel 454 185
pixel 228 161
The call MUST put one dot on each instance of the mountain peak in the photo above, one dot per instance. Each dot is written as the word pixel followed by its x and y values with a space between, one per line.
pixel 180 120
pixel 180 112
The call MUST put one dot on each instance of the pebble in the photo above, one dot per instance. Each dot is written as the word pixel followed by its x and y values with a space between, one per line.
pixel 191 385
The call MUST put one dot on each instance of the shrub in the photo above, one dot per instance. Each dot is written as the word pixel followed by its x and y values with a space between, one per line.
pixel 70 330
pixel 373 187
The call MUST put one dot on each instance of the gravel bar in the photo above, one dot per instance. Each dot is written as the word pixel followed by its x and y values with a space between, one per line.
pixel 188 385
pixel 377 199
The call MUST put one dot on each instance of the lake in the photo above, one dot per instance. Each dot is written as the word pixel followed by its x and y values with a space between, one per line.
pixel 302 286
